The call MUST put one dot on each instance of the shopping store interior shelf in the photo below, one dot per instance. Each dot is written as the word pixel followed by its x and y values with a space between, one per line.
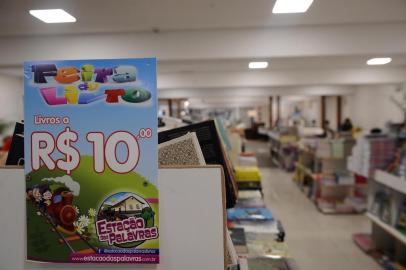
pixel 391 230
pixel 392 181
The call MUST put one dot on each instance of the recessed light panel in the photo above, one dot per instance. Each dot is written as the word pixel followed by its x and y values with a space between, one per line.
pixel 291 6
pixel 53 15
pixel 258 65
pixel 379 61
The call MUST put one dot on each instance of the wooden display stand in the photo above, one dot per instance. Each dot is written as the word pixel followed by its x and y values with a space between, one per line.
pixel 192 237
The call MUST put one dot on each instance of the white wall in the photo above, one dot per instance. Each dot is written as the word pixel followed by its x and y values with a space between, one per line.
pixel 308 105
pixel 367 106
pixel 11 98
pixel 370 106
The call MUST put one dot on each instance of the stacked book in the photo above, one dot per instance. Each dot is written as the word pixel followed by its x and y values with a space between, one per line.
pixel 248 178
pixel 247 174
pixel 323 149
pixel 334 148
pixel 371 153
pixel 258 238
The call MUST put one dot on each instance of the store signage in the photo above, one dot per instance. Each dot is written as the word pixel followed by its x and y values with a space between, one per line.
pixel 91 161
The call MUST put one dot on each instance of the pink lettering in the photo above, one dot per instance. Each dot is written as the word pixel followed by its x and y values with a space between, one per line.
pixel 49 95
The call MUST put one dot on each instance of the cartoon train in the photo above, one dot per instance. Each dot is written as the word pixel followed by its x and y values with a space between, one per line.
pixel 62 211
pixel 58 205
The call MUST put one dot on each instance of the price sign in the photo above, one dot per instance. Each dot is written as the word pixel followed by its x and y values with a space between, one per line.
pixel 43 145
pixel 91 161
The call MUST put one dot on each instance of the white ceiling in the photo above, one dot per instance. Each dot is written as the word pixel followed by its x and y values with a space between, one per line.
pixel 288 63
pixel 204 46
pixel 96 16
pixel 275 64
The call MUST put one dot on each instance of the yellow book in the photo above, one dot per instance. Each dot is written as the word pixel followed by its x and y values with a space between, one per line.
pixel 247 174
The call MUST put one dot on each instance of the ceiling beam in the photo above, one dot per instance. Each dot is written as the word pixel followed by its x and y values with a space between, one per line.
pixel 253 93
pixel 289 77
pixel 328 40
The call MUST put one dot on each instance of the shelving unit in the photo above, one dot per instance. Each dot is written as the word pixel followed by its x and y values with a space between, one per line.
pixel 315 173
pixel 392 181
pixel 305 169
pixel 395 187
pixel 280 143
pixel 388 228
pixel 386 239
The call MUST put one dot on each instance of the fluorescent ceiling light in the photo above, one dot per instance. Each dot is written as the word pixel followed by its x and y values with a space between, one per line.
pixel 53 15
pixel 379 61
pixel 258 65
pixel 291 6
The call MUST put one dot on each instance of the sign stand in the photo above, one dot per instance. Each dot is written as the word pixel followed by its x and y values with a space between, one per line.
pixel 192 222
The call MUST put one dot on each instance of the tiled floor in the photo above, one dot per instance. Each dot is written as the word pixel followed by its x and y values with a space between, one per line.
pixel 316 241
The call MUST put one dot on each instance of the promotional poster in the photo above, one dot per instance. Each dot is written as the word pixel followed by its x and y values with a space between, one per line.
pixel 91 161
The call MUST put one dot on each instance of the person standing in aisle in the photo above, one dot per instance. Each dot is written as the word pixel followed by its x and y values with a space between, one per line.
pixel 347 125
pixel 328 131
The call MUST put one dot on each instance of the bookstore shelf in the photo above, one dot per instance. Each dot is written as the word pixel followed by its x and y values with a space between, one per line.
pixel 391 230
pixel 394 182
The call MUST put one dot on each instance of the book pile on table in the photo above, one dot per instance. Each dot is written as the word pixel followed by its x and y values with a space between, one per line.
pixel 248 177
pixel 258 238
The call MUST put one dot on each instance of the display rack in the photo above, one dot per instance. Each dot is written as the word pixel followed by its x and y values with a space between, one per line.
pixel 189 239
pixel 388 228
pixel 386 237
pixel 283 149
pixel 394 182
pixel 315 165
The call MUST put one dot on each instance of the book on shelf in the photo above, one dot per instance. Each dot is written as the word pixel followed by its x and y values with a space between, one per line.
pixel 370 154
pixel 184 150
pixel 359 204
pixel 386 213
pixel 247 161
pixel 238 236
pixel 270 226
pixel 231 254
pixel 382 206
pixel 239 240
pixel 334 206
pixel 212 149
pixel 250 203
pixel 263 262
pixel 401 217
pixel 16 152
pixel 249 194
pixel 249 214
pixel 225 139
pixel 247 173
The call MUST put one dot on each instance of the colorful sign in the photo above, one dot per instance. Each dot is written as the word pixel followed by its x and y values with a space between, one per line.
pixel 91 161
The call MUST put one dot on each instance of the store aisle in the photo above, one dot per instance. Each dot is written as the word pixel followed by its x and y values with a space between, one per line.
pixel 316 241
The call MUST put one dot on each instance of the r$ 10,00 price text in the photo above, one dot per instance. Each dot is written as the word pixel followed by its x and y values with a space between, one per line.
pixel 43 145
